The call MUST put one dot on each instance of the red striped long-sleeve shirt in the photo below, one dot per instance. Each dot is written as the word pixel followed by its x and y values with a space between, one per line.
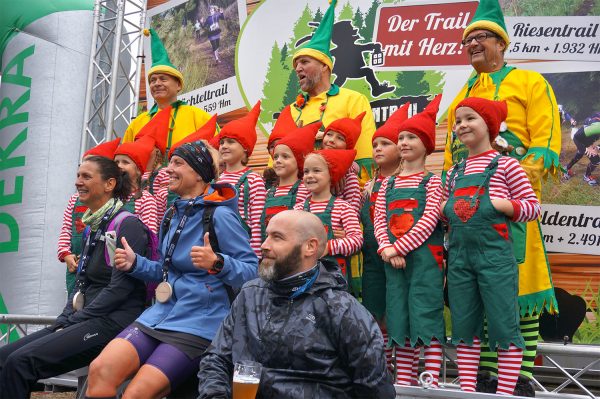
pixel 145 207
pixel 343 217
pixel 160 190
pixel 351 191
pixel 64 238
pixel 256 203
pixel 509 182
pixel 416 236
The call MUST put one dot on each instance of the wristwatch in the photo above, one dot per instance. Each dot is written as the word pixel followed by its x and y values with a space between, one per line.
pixel 218 265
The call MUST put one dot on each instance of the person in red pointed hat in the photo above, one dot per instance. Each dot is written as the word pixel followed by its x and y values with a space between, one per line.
pixel 106 150
pixel 236 143
pixel 155 180
pixel 410 241
pixel 69 239
pixel 288 164
pixel 206 132
pixel 283 125
pixel 387 159
pixel 482 195
pixel 343 134
pixel 132 159
pixel 323 169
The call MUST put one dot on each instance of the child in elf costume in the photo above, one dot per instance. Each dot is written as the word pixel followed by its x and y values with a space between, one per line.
pixel 481 195
pixel 410 241
pixel 343 134
pixel 132 158
pixel 283 125
pixel 69 239
pixel 155 180
pixel 387 158
pixel 237 140
pixel 323 170
pixel 288 164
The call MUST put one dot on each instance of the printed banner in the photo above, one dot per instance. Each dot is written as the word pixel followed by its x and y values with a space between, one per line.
pixel 554 38
pixel 422 36
pixel 200 37
pixel 574 229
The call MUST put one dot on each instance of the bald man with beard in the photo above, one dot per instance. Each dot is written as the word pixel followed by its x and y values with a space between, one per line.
pixel 312 337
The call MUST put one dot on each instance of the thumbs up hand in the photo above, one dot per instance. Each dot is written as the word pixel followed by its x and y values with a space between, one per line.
pixel 203 257
pixel 124 257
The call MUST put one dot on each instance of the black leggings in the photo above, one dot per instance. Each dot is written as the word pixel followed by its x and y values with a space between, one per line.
pixel 45 354
pixel 581 144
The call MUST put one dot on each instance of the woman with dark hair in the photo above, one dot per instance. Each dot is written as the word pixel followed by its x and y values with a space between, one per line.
pixel 104 301
pixel 164 346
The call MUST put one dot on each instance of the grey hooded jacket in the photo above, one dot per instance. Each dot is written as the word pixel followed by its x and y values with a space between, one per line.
pixel 322 344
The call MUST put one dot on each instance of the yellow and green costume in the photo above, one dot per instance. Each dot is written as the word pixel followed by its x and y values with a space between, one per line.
pixel 336 103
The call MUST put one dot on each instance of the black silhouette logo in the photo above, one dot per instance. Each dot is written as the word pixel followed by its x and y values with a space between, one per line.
pixel 349 60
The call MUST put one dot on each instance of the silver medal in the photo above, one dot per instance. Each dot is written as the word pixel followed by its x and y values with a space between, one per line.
pixel 163 292
pixel 78 301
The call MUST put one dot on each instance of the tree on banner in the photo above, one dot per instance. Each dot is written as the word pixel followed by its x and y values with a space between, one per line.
pixel 411 82
pixel 274 88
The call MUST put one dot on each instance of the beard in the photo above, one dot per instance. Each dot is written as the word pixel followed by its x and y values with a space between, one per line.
pixel 311 81
pixel 276 269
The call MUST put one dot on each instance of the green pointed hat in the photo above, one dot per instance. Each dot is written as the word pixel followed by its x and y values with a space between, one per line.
pixel 318 46
pixel 489 17
pixel 160 59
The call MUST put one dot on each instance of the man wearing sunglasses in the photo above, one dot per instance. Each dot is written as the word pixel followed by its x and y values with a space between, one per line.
pixel 533 136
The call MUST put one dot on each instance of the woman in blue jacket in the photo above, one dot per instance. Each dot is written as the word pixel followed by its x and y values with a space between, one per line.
pixel 163 347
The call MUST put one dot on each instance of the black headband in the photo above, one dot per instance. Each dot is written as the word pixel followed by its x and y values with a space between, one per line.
pixel 198 157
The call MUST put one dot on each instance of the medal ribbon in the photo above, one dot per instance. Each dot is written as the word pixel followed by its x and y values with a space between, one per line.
pixel 88 250
pixel 173 243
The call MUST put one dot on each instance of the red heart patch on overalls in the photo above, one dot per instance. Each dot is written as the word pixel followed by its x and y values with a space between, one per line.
pixel 400 224
pixel 464 210
pixel 79 225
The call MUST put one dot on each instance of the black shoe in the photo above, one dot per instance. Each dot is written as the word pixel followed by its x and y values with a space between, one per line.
pixel 486 383
pixel 524 387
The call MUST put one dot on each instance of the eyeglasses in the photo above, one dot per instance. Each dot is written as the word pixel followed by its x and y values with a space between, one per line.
pixel 480 37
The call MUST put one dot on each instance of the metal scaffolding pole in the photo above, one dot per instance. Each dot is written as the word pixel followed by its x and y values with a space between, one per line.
pixel 114 72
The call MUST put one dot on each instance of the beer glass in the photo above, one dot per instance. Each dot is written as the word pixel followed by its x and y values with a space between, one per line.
pixel 246 377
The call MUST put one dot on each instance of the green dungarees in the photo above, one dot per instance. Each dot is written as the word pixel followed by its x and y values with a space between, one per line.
pixel 373 278
pixel 342 261
pixel 274 205
pixel 482 271
pixel 243 180
pixel 415 301
pixel 518 151
pixel 77 228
